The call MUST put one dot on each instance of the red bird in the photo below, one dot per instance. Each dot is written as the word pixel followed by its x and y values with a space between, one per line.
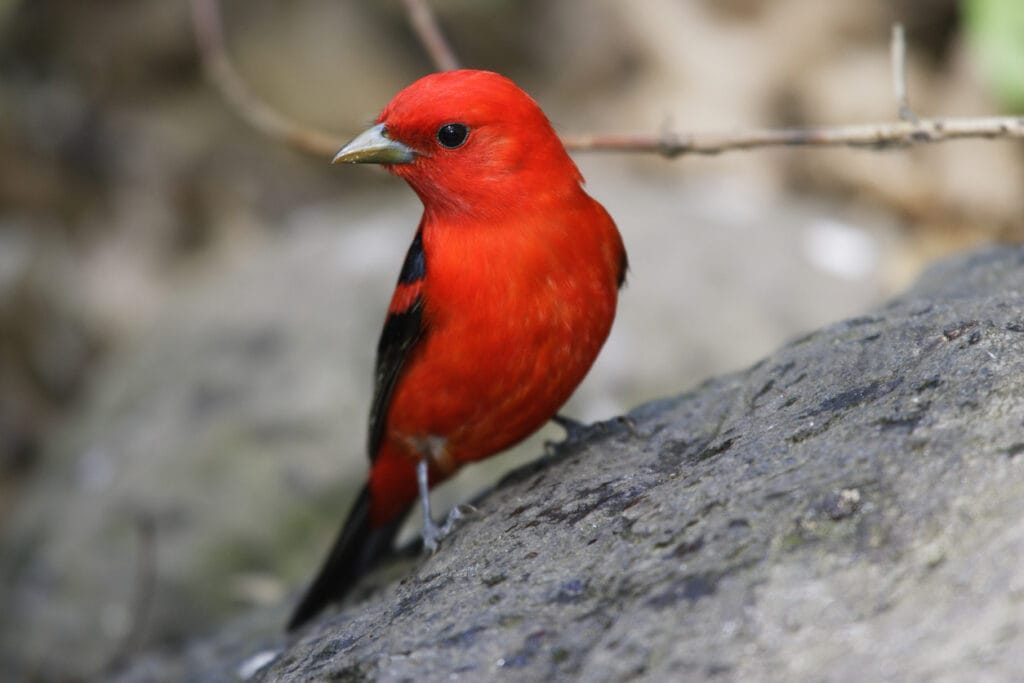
pixel 506 296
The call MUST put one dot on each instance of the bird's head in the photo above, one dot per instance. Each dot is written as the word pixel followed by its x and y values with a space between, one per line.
pixel 467 140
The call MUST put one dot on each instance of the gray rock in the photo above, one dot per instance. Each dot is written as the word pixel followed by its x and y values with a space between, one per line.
pixel 851 508
pixel 210 462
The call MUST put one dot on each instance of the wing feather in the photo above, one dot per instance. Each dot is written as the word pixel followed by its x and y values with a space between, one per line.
pixel 403 329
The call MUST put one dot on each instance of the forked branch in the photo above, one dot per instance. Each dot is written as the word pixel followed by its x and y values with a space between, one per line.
pixel 907 130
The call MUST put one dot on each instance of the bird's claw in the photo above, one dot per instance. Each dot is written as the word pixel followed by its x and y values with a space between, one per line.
pixel 434 534
pixel 574 429
pixel 457 514
pixel 574 432
pixel 630 424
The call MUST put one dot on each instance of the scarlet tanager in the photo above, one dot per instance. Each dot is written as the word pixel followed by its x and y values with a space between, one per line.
pixel 504 300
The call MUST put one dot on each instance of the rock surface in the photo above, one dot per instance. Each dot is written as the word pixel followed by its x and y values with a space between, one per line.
pixel 235 425
pixel 851 508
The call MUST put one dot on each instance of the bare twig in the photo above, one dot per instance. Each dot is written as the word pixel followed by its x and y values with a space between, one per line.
pixel 908 131
pixel 869 135
pixel 210 39
pixel 898 51
pixel 424 23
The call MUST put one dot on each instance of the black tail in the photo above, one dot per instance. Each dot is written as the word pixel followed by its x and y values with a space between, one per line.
pixel 355 551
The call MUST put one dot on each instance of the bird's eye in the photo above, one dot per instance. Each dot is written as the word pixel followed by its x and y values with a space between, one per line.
pixel 452 135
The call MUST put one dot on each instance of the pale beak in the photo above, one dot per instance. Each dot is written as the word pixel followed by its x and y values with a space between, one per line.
pixel 373 146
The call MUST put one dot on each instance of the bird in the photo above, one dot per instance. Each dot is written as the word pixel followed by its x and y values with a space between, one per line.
pixel 505 297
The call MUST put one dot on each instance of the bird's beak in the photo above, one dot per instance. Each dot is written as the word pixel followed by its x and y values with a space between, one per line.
pixel 373 146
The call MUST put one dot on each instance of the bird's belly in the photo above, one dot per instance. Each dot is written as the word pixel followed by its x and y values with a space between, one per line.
pixel 482 383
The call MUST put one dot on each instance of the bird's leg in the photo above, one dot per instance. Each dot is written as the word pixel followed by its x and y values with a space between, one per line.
pixel 574 429
pixel 457 514
pixel 432 534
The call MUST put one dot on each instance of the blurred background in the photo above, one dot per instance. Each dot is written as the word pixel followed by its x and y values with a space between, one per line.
pixel 189 309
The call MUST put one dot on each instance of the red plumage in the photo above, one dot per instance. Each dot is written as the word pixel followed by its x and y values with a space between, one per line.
pixel 504 301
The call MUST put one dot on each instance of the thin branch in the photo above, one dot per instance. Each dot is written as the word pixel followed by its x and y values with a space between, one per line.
pixel 908 131
pixel 210 40
pixel 424 24
pixel 869 135
pixel 898 52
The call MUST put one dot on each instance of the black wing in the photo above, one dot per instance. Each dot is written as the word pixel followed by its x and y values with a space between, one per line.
pixel 356 549
pixel 403 329
pixel 359 544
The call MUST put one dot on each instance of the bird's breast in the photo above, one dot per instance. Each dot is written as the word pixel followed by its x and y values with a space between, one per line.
pixel 514 319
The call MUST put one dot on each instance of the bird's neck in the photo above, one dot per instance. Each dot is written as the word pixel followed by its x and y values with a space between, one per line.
pixel 502 204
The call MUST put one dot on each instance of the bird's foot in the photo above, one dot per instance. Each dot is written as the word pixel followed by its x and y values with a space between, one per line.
pixel 458 514
pixel 630 425
pixel 434 534
pixel 576 431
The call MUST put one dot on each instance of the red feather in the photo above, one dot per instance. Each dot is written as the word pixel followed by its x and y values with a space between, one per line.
pixel 516 270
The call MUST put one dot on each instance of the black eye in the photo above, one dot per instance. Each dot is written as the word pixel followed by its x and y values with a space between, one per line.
pixel 452 135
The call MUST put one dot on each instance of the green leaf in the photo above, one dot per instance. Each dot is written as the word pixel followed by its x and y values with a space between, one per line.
pixel 995 29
